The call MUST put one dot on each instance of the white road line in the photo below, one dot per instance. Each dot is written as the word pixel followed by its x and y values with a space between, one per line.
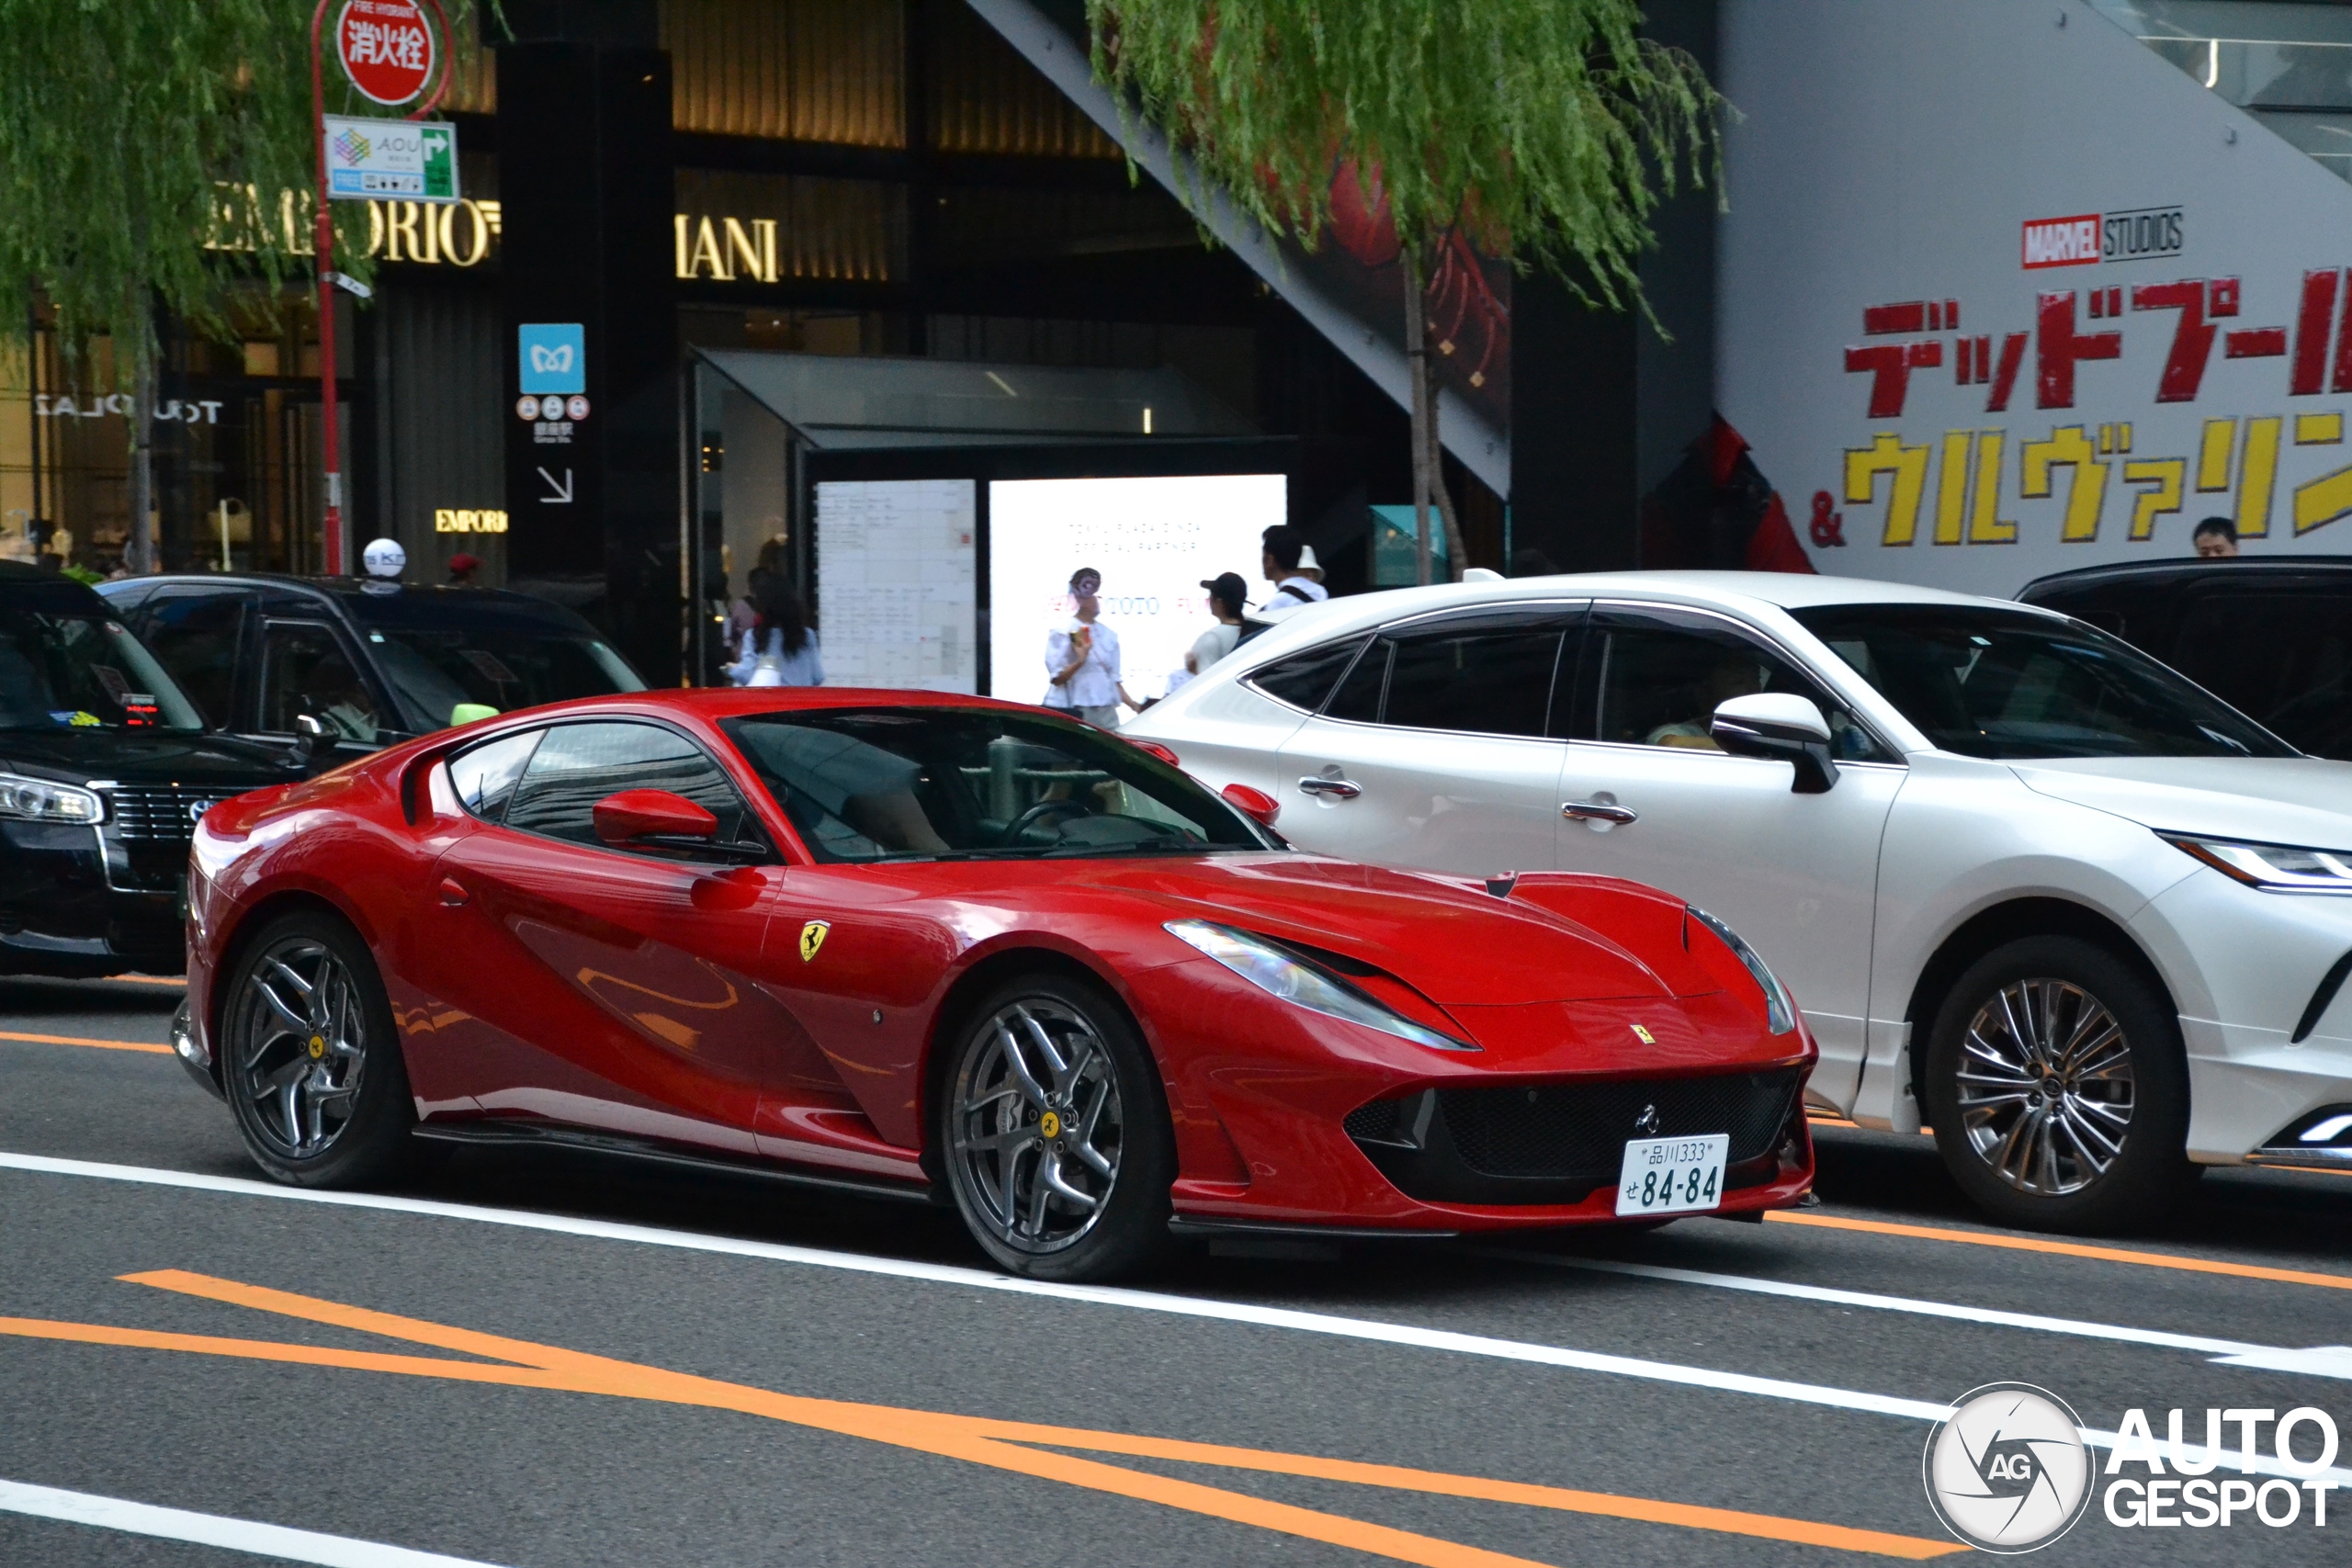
pixel 1990 1315
pixel 213 1530
pixel 1401 1334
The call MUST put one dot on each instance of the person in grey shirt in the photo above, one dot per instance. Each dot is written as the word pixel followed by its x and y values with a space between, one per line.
pixel 1226 603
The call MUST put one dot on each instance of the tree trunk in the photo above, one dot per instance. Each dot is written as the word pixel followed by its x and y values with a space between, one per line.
pixel 1457 554
pixel 1417 364
pixel 139 551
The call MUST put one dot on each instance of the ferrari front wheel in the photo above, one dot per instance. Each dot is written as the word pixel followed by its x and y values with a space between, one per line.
pixel 310 1059
pixel 1052 1129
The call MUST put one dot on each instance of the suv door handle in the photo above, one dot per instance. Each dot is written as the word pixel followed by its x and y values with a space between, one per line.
pixel 1598 811
pixel 1338 788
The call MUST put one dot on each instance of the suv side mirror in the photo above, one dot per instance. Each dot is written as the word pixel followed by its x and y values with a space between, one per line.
pixel 1779 726
pixel 312 739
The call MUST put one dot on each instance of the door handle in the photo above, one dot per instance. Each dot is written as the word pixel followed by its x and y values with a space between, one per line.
pixel 1598 811
pixel 453 893
pixel 1340 789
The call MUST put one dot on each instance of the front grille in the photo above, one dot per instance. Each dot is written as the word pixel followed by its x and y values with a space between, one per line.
pixel 1556 1130
pixel 158 813
pixel 1555 1142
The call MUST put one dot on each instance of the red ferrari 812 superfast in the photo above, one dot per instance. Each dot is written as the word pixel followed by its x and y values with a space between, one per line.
pixel 961 950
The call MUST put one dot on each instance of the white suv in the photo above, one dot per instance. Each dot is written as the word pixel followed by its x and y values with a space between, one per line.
pixel 2029 886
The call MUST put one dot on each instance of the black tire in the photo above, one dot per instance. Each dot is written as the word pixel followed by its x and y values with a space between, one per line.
pixel 995 1135
pixel 343 1119
pixel 2085 1133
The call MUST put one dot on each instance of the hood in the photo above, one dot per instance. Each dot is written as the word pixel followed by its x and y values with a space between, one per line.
pixel 139 756
pixel 2277 800
pixel 1452 942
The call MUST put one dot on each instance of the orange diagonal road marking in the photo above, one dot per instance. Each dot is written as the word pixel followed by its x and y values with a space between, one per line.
pixel 1001 1444
pixel 2067 1250
pixel 77 1040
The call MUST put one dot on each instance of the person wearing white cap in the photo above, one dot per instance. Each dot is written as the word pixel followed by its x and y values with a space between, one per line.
pixel 1285 554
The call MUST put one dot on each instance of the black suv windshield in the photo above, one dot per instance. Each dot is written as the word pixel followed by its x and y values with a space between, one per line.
pixel 1990 683
pixel 901 783
pixel 69 672
pixel 438 652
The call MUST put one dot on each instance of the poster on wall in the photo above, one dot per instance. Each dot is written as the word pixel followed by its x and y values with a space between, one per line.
pixel 1154 540
pixel 2005 293
pixel 895 583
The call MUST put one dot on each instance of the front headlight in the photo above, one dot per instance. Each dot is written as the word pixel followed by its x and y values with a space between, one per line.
pixel 1779 1012
pixel 2274 868
pixel 38 800
pixel 1302 984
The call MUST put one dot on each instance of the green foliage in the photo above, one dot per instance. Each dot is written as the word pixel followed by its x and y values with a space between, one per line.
pixel 1547 128
pixel 130 132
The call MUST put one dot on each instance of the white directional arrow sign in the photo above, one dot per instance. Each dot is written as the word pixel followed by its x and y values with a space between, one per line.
pixel 558 491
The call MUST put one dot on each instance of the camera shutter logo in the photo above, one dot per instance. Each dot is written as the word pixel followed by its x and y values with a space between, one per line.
pixel 2008 1471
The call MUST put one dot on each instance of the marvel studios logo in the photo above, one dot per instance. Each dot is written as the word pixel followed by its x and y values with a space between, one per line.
pixel 2139 233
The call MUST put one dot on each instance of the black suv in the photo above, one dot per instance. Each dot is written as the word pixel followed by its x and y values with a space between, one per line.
pixel 373 661
pixel 2271 635
pixel 105 766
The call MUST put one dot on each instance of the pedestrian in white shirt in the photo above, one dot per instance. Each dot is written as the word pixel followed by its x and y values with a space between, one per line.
pixel 780 648
pixel 1226 603
pixel 1082 658
pixel 1293 588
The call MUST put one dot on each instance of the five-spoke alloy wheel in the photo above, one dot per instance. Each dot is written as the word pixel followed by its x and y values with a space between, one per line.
pixel 2057 1087
pixel 1056 1147
pixel 309 1060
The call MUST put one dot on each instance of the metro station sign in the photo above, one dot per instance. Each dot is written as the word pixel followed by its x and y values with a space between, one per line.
pixel 386 48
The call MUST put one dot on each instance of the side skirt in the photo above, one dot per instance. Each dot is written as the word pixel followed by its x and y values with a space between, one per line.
pixel 533 1135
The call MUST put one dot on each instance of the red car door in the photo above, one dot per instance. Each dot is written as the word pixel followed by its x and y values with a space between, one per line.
pixel 611 988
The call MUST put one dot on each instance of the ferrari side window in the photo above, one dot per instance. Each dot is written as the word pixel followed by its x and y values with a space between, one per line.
pixel 576 765
pixel 485 777
pixel 1304 679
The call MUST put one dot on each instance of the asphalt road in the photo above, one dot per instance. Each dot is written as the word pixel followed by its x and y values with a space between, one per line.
pixel 538 1361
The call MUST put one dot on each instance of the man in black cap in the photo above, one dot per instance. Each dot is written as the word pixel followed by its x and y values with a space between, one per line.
pixel 1225 602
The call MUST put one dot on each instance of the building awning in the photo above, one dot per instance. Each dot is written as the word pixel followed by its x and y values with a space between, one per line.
pixel 842 403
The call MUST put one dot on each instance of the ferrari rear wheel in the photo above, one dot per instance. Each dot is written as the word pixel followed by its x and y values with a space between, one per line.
pixel 1056 1145
pixel 310 1059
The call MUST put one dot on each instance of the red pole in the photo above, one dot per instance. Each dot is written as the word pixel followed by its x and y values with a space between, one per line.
pixel 322 244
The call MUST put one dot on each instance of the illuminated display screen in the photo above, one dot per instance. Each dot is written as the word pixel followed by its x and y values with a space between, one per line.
pixel 1153 540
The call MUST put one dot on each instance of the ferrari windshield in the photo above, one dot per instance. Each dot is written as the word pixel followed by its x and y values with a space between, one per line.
pixel 75 671
pixel 2008 683
pixel 966 784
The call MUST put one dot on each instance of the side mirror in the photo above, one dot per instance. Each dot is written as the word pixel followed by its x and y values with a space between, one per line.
pixel 312 739
pixel 653 816
pixel 470 713
pixel 1782 727
pixel 1254 804
pixel 656 819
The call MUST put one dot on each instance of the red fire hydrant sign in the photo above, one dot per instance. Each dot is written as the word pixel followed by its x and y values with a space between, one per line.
pixel 386 49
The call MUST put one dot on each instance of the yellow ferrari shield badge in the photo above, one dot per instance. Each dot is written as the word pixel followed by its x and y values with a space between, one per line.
pixel 1643 1035
pixel 812 937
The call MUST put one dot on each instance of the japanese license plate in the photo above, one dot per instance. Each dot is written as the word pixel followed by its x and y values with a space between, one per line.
pixel 1672 1176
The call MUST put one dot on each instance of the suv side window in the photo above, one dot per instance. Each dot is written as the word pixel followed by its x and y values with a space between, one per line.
pixel 576 765
pixel 194 633
pixel 1657 676
pixel 305 670
pixel 1304 679
pixel 1474 675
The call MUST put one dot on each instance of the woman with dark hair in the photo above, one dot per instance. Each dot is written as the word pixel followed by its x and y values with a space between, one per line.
pixel 782 648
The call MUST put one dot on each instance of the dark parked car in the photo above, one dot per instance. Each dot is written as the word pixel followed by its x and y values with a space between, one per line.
pixel 105 765
pixel 375 663
pixel 2271 636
